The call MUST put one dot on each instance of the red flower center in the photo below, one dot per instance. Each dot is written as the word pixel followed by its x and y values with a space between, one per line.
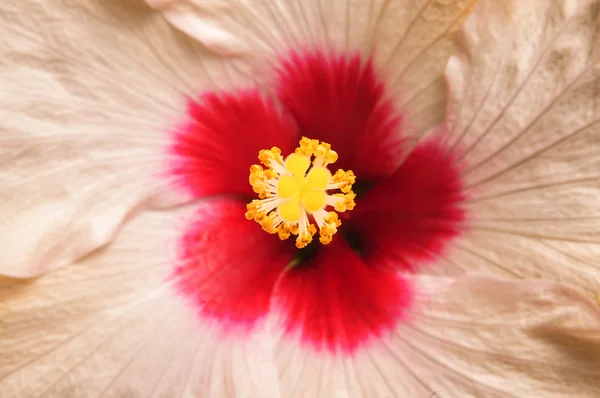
pixel 334 297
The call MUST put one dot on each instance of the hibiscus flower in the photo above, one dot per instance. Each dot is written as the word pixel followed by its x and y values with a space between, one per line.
pixel 174 222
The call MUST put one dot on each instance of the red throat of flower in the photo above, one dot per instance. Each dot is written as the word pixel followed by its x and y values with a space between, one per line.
pixel 353 291
pixel 295 192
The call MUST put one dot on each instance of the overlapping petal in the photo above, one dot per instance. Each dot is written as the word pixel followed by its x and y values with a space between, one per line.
pixel 96 139
pixel 88 95
pixel 524 114
pixel 409 40
pixel 169 309
pixel 469 337
pixel 85 145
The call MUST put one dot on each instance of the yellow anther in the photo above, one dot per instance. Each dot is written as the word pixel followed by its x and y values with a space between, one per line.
pixel 257 183
pixel 268 223
pixel 252 209
pixel 294 192
pixel 328 230
pixel 332 218
pixel 260 217
pixel 257 178
pixel 267 156
pixel 349 200
pixel 322 150
pixel 284 231
pixel 349 180
pixel 326 234
pixel 331 157
pixel 307 146
pixel 344 180
pixel 346 202
pixel 303 240
pixel 250 214
pixel 332 221
pixel 338 176
pixel 271 174
pixel 325 239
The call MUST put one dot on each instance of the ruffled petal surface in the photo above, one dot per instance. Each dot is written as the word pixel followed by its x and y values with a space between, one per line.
pixel 472 336
pixel 524 114
pixel 171 309
pixel 88 96
pixel 410 40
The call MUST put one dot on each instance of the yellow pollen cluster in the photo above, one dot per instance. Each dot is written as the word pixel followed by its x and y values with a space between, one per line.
pixel 294 192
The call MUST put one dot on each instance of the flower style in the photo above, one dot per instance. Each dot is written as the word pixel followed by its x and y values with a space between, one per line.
pixel 172 263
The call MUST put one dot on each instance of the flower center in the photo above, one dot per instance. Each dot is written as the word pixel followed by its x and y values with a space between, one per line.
pixel 294 193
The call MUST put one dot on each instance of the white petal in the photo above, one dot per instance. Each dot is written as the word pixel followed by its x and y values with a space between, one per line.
pixel 87 95
pixel 470 337
pixel 409 39
pixel 524 113
pixel 113 325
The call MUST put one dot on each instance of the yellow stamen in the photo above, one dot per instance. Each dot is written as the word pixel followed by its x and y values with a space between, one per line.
pixel 295 188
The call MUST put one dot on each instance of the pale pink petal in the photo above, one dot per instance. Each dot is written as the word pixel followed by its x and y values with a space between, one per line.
pixel 87 95
pixel 123 323
pixel 524 114
pixel 474 336
pixel 410 40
